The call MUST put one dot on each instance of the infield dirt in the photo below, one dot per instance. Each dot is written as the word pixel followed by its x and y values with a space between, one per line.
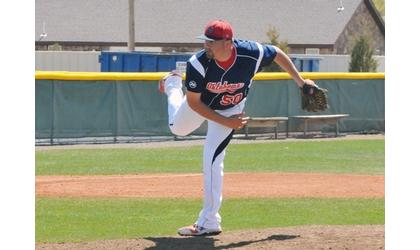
pixel 288 238
pixel 236 185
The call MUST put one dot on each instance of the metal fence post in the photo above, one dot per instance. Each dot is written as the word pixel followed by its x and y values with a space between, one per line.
pixel 52 113
pixel 115 111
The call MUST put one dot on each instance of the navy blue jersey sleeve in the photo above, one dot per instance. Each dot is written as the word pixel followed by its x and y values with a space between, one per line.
pixel 194 80
pixel 268 56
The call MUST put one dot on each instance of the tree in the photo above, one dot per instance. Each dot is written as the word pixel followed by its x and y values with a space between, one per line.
pixel 55 47
pixel 273 37
pixel 361 57
pixel 380 6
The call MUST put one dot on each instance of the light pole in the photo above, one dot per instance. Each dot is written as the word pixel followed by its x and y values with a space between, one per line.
pixel 131 34
pixel 43 34
pixel 341 7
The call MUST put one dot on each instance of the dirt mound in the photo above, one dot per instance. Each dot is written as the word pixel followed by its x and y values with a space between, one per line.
pixel 235 185
pixel 304 237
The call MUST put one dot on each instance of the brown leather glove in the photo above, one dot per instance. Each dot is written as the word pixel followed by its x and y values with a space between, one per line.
pixel 314 98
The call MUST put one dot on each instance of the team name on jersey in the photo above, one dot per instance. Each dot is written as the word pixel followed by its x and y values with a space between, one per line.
pixel 218 87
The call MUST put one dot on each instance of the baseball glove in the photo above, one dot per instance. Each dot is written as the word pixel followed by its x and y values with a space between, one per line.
pixel 314 98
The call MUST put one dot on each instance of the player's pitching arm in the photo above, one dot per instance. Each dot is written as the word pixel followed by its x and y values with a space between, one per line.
pixel 234 122
pixel 284 61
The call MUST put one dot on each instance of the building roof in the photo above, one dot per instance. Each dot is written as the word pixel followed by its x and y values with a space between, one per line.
pixel 180 21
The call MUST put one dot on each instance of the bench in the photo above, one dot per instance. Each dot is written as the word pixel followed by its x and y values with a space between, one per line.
pixel 320 118
pixel 264 122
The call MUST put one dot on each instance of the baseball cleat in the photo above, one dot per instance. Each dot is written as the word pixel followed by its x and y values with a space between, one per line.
pixel 195 230
pixel 174 78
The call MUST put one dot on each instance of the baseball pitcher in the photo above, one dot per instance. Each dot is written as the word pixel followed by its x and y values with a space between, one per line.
pixel 218 80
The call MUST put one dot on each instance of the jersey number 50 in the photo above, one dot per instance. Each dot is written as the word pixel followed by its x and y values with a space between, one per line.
pixel 231 99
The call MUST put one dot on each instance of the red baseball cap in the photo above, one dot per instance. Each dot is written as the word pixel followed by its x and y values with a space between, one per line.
pixel 217 30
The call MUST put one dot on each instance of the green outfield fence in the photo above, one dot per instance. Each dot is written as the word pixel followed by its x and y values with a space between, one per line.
pixel 72 105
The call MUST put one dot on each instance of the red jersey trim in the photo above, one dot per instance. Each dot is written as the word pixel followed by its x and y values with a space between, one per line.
pixel 226 64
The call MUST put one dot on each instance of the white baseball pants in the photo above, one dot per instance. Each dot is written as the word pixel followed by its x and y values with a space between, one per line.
pixel 182 121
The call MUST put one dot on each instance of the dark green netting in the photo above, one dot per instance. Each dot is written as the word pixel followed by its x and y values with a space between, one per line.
pixel 74 109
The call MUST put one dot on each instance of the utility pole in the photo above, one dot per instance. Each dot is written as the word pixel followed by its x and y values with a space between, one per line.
pixel 131 25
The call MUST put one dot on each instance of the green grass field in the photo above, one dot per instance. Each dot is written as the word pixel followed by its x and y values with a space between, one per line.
pixel 346 156
pixel 79 220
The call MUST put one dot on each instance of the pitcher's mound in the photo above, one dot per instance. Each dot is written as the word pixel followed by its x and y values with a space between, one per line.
pixel 302 237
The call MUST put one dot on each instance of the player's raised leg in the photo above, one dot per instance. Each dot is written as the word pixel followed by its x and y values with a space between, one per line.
pixel 182 119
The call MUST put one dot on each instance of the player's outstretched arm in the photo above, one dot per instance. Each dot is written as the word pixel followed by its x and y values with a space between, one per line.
pixel 285 63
